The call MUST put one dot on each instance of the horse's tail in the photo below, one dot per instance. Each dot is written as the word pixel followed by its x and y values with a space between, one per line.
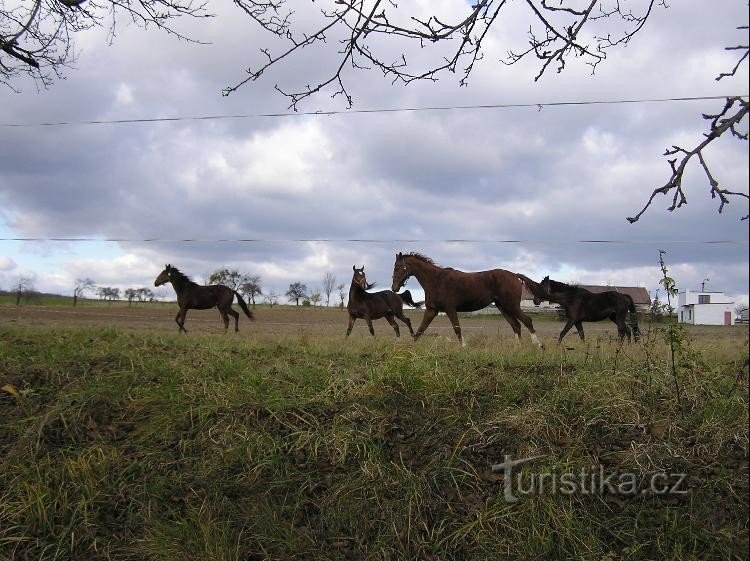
pixel 406 297
pixel 244 307
pixel 633 317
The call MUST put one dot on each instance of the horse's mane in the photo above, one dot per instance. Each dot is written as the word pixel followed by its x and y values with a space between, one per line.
pixel 422 257
pixel 179 275
pixel 563 287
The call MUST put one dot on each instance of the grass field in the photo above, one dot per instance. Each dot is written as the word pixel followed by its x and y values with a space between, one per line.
pixel 120 439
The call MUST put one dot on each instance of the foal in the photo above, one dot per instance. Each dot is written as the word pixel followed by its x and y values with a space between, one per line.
pixel 583 305
pixel 375 305
pixel 192 296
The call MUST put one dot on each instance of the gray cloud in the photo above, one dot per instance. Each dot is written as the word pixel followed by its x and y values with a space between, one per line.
pixel 550 177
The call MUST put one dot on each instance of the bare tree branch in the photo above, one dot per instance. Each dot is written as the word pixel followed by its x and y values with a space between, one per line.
pixel 720 123
pixel 36 36
pixel 360 26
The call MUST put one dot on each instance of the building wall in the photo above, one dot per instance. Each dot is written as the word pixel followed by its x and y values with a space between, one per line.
pixel 706 314
pixel 690 297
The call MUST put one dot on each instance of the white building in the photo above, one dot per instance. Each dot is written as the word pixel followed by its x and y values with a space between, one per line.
pixel 704 308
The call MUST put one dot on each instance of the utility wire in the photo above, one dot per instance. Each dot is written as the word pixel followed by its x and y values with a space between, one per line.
pixel 365 241
pixel 539 106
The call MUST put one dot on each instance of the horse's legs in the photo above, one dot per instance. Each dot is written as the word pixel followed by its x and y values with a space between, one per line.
pixel 579 327
pixel 180 319
pixel 429 315
pixel 394 325
pixel 512 315
pixel 352 319
pixel 406 321
pixel 369 325
pixel 622 327
pixel 515 325
pixel 453 317
pixel 236 317
pixel 565 330
pixel 225 319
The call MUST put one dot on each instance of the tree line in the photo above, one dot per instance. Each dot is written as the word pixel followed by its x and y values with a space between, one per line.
pixel 248 285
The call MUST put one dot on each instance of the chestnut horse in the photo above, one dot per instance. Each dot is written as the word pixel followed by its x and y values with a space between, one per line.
pixel 191 295
pixel 451 291
pixel 375 305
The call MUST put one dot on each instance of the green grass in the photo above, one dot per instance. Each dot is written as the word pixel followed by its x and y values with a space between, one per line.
pixel 134 445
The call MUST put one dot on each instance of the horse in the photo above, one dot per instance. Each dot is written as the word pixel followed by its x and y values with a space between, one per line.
pixel 375 305
pixel 451 291
pixel 583 305
pixel 191 295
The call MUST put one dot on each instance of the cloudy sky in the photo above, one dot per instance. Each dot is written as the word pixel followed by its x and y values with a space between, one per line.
pixel 550 177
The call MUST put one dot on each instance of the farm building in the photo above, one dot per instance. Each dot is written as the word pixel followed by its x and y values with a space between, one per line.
pixel 704 308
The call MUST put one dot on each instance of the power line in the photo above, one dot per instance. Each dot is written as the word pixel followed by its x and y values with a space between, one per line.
pixel 539 106
pixel 366 241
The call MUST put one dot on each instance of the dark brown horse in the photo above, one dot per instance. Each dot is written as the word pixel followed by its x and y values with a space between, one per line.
pixel 375 305
pixel 583 305
pixel 193 296
pixel 451 291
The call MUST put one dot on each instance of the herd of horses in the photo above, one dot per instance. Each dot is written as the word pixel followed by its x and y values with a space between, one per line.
pixel 446 290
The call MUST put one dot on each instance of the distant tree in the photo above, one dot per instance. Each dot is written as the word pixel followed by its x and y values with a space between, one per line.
pixel 81 287
pixel 272 298
pixel 315 297
pixel 232 278
pixel 131 294
pixel 108 293
pixel 329 283
pixel 251 288
pixel 144 294
pixel 296 291
pixel 23 287
pixel 342 294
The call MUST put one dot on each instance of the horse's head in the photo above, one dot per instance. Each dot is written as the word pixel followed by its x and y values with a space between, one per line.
pixel 360 279
pixel 400 273
pixel 164 276
pixel 546 286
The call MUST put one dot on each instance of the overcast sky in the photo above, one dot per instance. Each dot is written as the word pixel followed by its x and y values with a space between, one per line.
pixel 549 177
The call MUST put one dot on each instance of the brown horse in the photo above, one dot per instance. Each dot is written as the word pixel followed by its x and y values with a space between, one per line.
pixel 583 305
pixel 451 291
pixel 375 305
pixel 194 296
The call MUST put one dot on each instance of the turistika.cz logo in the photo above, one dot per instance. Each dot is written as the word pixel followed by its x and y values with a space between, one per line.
pixel 516 483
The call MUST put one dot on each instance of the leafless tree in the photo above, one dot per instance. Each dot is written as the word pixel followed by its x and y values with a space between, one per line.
pixel 23 287
pixel 251 287
pixel 329 282
pixel 81 287
pixel 342 294
pixel 315 297
pixel 364 32
pixel 37 36
pixel 272 298
pixel 130 294
pixel 108 293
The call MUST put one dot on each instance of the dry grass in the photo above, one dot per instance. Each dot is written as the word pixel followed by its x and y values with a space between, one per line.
pixel 131 442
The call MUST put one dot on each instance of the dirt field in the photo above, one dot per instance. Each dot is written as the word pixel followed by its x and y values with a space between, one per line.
pixel 290 320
